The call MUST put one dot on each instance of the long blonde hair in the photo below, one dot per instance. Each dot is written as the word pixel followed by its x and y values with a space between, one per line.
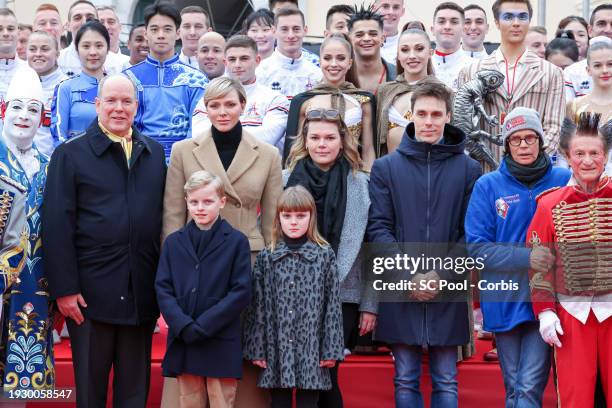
pixel 296 198
pixel 349 146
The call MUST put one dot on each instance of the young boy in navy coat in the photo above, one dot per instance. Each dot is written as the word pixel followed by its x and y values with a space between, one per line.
pixel 203 283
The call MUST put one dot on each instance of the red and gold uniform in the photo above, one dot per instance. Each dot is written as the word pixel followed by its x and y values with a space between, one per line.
pixel 577 227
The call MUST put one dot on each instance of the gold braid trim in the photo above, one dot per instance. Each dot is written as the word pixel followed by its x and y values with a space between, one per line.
pixel 538 282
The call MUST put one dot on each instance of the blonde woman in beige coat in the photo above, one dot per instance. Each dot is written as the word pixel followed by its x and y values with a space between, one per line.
pixel 251 174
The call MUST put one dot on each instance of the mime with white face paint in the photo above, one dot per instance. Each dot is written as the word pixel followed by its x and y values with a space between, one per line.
pixel 27 312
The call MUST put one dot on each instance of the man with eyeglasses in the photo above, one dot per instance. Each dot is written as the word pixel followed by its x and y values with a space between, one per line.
pixel 501 208
pixel 530 81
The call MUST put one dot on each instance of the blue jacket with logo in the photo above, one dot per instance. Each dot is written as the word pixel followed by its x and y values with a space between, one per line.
pixel 168 93
pixel 498 215
pixel 73 107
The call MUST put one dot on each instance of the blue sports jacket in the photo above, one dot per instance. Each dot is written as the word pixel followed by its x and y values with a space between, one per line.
pixel 168 93
pixel 500 211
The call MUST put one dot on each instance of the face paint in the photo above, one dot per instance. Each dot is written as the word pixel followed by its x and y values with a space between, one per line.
pixel 21 120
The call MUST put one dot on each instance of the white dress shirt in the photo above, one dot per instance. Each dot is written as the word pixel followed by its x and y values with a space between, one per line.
pixel 447 67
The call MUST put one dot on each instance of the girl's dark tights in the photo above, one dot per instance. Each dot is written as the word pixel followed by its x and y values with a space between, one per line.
pixel 283 398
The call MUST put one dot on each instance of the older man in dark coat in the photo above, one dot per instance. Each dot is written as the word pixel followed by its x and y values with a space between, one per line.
pixel 101 227
pixel 419 196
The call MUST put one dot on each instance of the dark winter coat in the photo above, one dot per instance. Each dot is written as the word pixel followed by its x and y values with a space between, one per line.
pixel 420 194
pixel 210 291
pixel 101 225
pixel 295 319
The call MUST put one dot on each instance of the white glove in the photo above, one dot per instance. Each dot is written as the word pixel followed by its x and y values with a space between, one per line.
pixel 550 325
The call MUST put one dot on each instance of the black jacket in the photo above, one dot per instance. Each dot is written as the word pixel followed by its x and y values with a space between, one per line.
pixel 211 292
pixel 101 225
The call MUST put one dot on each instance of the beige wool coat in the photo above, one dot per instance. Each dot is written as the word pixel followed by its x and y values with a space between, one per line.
pixel 253 180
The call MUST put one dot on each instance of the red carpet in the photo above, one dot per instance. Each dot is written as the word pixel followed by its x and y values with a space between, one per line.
pixel 366 381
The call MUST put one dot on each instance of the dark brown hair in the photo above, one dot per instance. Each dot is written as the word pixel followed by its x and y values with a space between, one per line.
pixel 475 7
pixel 430 68
pixel 76 3
pixel 430 86
pixel 196 9
pixel 414 24
pixel 570 19
pixel 272 3
pixel 241 41
pixel 606 6
pixel 338 8
pixel 562 45
pixel 284 12
pixel 449 5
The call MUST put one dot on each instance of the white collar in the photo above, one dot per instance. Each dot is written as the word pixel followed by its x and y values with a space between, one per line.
pixel 474 54
pixel 450 58
pixel 8 63
pixel 392 38
pixel 500 59
pixel 26 158
pixel 287 60
pixel 184 56
pixel 53 75
pixel 250 86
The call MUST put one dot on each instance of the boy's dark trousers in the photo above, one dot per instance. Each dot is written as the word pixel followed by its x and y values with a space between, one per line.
pixel 96 348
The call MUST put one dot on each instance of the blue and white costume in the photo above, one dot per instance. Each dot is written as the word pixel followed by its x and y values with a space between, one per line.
pixel 168 93
pixel 44 140
pixel 73 108
pixel 287 75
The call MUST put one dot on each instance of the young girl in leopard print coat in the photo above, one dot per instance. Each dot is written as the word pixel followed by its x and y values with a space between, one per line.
pixel 294 324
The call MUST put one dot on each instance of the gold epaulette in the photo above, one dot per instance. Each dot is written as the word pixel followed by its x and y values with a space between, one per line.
pixel 543 193
pixel 13 183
